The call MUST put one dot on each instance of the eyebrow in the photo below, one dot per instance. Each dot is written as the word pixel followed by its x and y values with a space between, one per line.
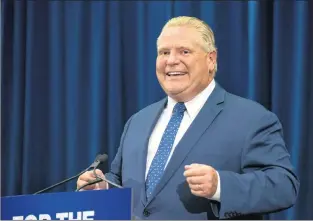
pixel 179 47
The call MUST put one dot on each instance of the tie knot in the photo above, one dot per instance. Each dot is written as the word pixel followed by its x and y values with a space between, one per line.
pixel 179 108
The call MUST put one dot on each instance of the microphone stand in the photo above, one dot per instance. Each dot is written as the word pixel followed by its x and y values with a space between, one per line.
pixel 64 181
pixel 99 159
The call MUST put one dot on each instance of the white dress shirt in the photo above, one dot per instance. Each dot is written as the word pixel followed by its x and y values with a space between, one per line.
pixel 193 108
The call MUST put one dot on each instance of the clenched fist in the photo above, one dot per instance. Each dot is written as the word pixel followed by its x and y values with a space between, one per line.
pixel 88 177
pixel 202 179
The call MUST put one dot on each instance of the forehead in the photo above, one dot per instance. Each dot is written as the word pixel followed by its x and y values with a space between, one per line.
pixel 179 37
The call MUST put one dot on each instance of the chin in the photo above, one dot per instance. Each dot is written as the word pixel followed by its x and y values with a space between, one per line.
pixel 174 92
pixel 176 95
pixel 175 88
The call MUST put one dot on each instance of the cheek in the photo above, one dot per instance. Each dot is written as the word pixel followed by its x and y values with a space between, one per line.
pixel 201 67
pixel 160 65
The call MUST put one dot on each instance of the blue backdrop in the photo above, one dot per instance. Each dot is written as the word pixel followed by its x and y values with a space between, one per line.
pixel 73 72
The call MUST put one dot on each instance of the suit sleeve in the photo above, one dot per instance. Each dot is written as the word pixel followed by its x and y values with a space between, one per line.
pixel 115 174
pixel 267 182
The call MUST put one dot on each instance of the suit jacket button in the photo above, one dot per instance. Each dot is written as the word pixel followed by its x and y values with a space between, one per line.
pixel 146 213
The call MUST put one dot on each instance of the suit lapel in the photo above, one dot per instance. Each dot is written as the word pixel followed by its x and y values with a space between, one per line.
pixel 200 124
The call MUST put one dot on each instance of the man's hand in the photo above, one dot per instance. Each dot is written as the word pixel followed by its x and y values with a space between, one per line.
pixel 202 179
pixel 88 177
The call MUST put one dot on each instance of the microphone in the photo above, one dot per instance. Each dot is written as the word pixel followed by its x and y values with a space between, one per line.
pixel 99 159
pixel 98 178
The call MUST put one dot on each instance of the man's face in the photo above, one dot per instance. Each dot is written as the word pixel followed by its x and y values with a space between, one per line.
pixel 182 65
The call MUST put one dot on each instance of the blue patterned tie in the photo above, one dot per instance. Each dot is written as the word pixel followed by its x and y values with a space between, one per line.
pixel 158 164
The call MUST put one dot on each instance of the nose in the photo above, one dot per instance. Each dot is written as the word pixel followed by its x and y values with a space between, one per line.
pixel 172 59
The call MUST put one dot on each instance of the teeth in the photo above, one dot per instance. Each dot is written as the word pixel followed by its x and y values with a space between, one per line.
pixel 175 73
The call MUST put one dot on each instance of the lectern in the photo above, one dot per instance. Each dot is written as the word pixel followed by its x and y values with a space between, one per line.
pixel 112 204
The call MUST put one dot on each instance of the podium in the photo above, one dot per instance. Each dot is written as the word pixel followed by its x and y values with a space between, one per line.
pixel 112 204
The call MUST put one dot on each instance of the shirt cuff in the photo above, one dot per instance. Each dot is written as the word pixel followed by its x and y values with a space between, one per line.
pixel 217 195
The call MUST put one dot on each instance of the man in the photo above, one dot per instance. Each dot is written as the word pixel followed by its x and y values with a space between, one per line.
pixel 200 153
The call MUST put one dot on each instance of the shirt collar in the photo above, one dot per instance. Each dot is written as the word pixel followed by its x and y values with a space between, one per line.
pixel 194 105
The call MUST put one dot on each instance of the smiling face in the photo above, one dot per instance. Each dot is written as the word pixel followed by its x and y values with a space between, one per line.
pixel 183 67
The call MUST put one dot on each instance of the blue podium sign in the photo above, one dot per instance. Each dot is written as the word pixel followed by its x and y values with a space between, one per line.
pixel 112 204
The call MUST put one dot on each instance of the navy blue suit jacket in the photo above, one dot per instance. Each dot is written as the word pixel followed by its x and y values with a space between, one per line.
pixel 238 137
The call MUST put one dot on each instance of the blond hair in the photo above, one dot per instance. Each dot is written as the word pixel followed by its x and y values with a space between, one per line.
pixel 202 27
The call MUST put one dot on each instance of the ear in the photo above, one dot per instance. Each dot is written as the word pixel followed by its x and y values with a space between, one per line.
pixel 211 60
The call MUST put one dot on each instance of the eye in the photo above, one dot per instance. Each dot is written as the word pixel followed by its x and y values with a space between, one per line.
pixel 164 53
pixel 186 51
